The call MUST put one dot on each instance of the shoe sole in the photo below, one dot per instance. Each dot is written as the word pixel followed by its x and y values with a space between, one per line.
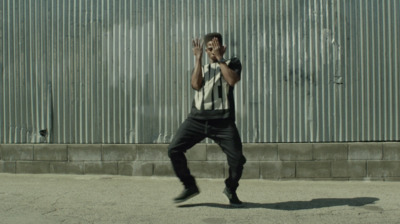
pixel 232 204
pixel 182 200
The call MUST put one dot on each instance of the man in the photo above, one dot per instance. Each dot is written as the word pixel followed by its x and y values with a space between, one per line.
pixel 212 115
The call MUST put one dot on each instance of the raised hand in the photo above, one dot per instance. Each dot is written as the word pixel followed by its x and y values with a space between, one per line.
pixel 217 50
pixel 197 48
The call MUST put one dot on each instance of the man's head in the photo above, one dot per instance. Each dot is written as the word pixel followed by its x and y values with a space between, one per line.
pixel 208 38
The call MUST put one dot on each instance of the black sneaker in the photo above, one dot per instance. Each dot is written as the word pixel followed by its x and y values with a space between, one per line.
pixel 186 194
pixel 233 198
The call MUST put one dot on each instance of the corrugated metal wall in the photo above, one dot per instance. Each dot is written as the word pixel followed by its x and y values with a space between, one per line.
pixel 109 71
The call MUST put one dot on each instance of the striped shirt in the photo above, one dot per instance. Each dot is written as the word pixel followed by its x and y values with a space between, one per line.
pixel 215 99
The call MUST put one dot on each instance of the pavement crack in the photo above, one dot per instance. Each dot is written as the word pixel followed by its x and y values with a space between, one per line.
pixel 54 210
pixel 7 210
pixel 54 207
pixel 54 203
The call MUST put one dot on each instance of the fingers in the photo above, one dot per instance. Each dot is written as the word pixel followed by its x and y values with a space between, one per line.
pixel 197 42
pixel 216 42
pixel 197 47
pixel 216 45
pixel 223 49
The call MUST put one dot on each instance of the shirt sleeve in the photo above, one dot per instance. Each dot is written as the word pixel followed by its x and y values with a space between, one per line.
pixel 236 66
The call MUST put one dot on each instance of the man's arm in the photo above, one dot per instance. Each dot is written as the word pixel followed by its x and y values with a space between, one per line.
pixel 197 76
pixel 229 75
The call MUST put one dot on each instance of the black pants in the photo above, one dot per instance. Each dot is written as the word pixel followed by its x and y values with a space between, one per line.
pixel 223 132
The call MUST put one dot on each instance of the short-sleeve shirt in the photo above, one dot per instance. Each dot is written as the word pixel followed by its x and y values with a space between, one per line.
pixel 215 99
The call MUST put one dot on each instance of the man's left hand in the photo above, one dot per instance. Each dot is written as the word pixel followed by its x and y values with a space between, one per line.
pixel 218 50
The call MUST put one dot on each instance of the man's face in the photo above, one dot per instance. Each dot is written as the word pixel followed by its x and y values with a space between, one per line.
pixel 209 48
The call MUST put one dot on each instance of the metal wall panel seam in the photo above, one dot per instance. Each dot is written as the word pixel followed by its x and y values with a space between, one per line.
pixel 53 73
pixel 390 77
pixel 158 85
pixel 14 76
pixel 294 71
pixel 311 67
pixel 262 84
pixel 265 85
pixel 280 71
pixel 110 131
pixel 80 82
pixel 330 61
pixel 381 115
pixel 328 38
pixel 74 75
pixel 87 72
pixel 122 74
pixel 396 9
pixel 373 72
pixel 32 72
pixel 8 80
pixel 106 73
pixel 253 92
pixel 2 93
pixel 380 71
pixel 286 73
pixel 320 74
pixel 19 124
pixel 300 63
pixel 63 137
pixel 270 136
pixel 2 85
pixel 359 56
pixel 69 72
pixel 304 56
pixel 367 72
pixel 353 74
pixel 92 72
pixel 113 116
pixel 50 81
pixel 362 71
pixel 369 85
pixel 383 68
pixel 6 74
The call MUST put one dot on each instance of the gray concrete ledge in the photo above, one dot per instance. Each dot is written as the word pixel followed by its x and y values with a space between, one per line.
pixel 310 161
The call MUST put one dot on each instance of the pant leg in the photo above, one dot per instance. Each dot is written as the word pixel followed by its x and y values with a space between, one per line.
pixel 226 135
pixel 189 133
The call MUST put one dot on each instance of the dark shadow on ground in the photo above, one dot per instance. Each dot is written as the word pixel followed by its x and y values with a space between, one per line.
pixel 295 205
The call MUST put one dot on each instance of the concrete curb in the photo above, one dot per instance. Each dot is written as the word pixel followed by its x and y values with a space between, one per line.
pixel 332 161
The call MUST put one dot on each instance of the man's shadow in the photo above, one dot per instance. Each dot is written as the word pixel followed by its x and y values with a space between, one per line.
pixel 295 205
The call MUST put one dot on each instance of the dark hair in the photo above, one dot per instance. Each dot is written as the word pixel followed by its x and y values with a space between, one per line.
pixel 210 36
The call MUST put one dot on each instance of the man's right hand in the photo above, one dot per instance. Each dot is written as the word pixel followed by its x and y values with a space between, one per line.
pixel 197 48
pixel 197 78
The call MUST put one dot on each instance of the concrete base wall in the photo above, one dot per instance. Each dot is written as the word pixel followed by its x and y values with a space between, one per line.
pixel 325 161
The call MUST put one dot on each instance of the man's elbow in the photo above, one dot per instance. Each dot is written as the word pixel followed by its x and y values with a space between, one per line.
pixel 196 87
pixel 232 82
